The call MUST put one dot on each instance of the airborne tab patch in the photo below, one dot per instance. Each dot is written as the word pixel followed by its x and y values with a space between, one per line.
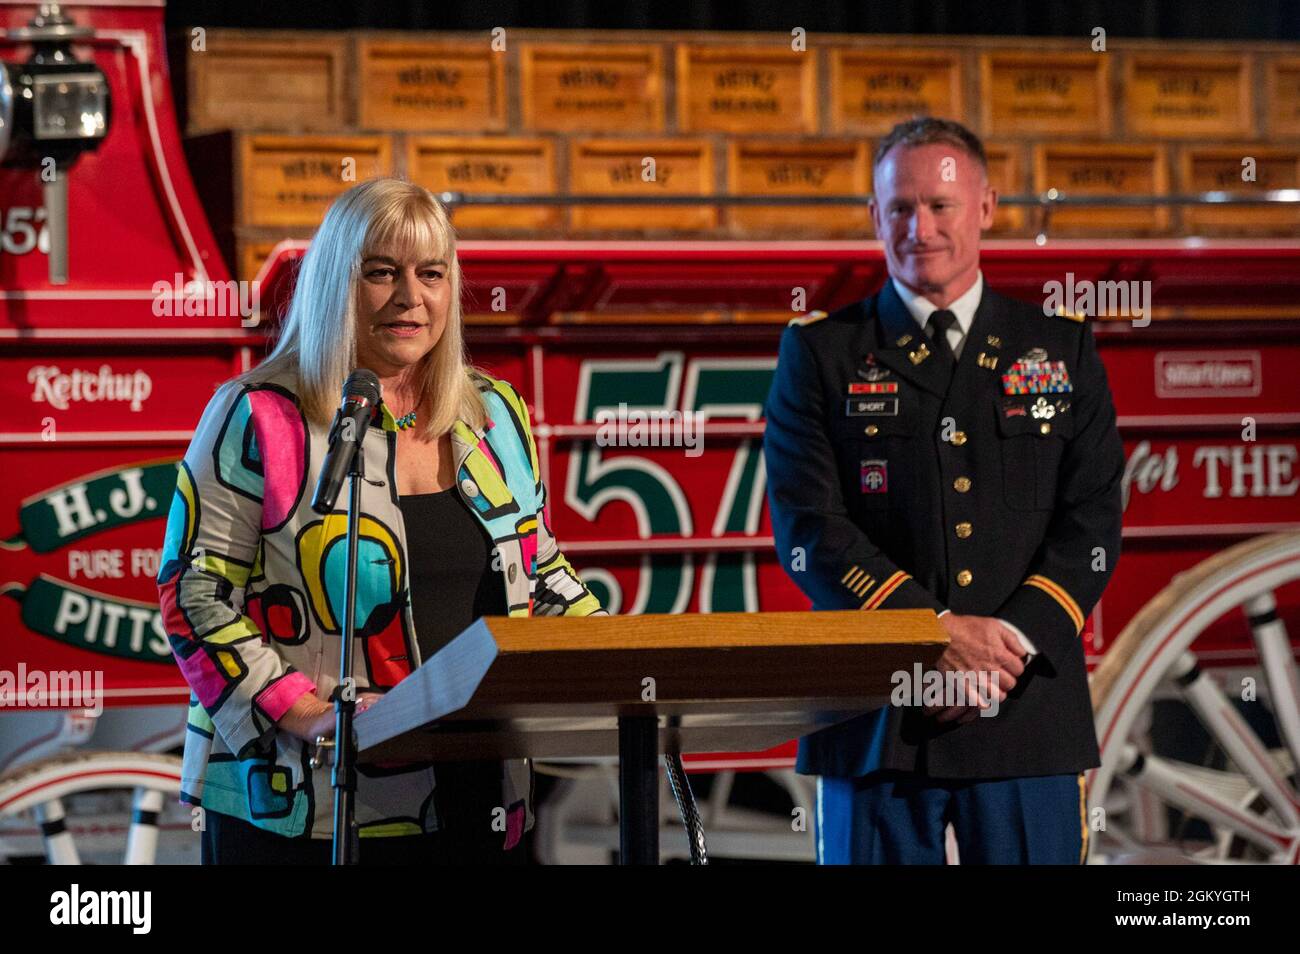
pixel 875 476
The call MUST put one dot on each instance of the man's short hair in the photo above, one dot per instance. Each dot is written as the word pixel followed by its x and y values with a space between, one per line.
pixel 926 129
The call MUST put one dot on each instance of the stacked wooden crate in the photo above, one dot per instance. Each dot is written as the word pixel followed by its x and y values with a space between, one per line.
pixel 297 118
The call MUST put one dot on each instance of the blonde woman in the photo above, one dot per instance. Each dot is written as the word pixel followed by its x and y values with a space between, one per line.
pixel 454 527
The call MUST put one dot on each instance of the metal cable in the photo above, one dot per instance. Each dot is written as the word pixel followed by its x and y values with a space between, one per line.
pixel 685 798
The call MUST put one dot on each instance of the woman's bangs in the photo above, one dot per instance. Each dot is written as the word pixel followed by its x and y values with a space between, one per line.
pixel 408 232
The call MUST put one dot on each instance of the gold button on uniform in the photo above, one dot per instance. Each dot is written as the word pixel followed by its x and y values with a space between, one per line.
pixel 961 484
pixel 1045 428
pixel 958 439
pixel 964 529
pixel 872 430
pixel 964 578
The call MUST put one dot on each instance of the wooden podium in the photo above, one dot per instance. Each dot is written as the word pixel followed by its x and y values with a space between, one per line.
pixel 639 686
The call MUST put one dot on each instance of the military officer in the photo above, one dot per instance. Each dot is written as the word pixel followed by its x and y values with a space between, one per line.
pixel 941 446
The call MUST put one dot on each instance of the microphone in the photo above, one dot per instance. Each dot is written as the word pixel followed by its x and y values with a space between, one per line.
pixel 361 396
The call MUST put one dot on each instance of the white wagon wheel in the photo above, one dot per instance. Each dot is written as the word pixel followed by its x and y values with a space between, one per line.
pixel 41 786
pixel 1252 807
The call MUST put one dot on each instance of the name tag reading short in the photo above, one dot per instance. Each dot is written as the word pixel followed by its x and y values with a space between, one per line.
pixel 871 407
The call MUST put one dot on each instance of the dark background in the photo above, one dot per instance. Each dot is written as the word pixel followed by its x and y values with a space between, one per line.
pixel 1161 19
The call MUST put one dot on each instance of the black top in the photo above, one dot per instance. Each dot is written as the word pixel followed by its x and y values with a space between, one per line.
pixel 453 583
pixel 450 567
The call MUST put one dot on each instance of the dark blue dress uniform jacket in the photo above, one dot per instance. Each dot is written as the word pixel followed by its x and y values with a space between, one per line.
pixel 992 489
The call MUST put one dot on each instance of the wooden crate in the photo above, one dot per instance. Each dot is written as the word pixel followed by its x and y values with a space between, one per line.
pixel 286 181
pixel 1032 94
pixel 508 166
pixel 1007 176
pixel 871 90
pixel 1219 169
pixel 278 82
pixel 618 168
pixel 1188 95
pixel 799 168
pixel 595 87
pixel 746 89
pixel 1104 169
pixel 430 85
pixel 1282 96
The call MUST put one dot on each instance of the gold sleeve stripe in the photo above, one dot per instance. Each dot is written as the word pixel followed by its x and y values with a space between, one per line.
pixel 848 578
pixel 863 586
pixel 882 594
pixel 1057 592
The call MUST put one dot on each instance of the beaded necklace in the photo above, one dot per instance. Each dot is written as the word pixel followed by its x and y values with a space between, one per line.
pixel 405 421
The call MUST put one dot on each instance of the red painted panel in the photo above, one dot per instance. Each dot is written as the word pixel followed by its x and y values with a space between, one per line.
pixel 134 218
pixel 106 392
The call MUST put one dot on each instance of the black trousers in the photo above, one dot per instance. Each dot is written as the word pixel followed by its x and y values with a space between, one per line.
pixel 464 797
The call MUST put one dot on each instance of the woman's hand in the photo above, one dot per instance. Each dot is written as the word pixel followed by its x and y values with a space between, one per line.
pixel 310 718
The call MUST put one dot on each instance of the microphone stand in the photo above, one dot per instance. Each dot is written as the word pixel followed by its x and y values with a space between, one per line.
pixel 344 778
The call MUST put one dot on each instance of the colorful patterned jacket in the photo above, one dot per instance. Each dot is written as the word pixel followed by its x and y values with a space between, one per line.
pixel 251 589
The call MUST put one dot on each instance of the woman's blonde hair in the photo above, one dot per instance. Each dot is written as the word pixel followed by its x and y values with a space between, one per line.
pixel 317 343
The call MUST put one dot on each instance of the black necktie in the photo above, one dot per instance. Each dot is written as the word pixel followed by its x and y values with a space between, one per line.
pixel 937 328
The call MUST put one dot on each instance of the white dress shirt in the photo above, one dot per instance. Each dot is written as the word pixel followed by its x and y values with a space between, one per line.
pixel 922 308
pixel 964 306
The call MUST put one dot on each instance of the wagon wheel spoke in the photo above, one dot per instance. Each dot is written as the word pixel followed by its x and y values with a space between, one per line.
pixel 1205 793
pixel 1235 736
pixel 60 849
pixel 142 837
pixel 1278 661
pixel 1119 834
